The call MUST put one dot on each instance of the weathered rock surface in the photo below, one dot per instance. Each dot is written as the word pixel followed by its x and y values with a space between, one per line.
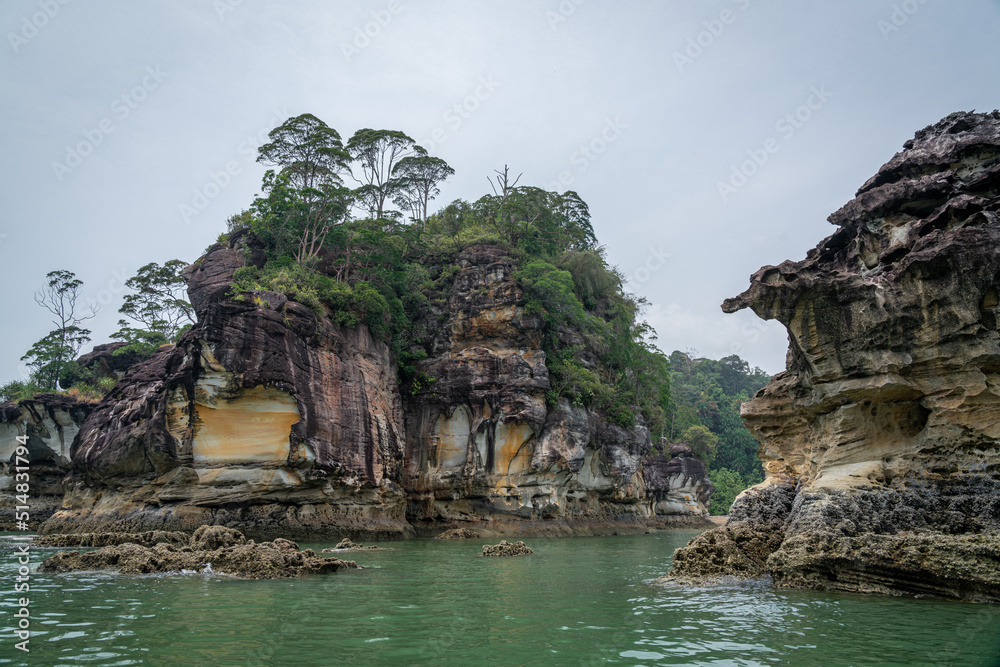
pixel 269 419
pixel 347 545
pixel 505 548
pixel 677 484
pixel 147 539
pixel 880 440
pixel 263 418
pixel 50 422
pixel 483 447
pixel 457 534
pixel 213 549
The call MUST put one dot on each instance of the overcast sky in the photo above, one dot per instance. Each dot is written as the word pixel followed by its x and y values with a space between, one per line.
pixel 120 119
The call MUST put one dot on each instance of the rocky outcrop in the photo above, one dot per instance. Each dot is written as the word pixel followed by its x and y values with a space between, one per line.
pixel 458 534
pixel 264 417
pixel 880 440
pixel 50 422
pixel 505 549
pixel 482 445
pixel 268 418
pixel 103 360
pixel 211 549
pixel 677 484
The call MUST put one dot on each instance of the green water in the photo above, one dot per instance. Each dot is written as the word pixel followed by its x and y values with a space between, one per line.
pixel 576 601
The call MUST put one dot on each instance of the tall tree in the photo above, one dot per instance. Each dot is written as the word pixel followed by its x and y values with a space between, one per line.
pixel 378 152
pixel 52 356
pixel 306 198
pixel 418 177
pixel 158 304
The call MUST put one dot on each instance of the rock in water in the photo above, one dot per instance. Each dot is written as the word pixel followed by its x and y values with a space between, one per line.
pixel 211 550
pixel 458 534
pixel 506 548
pixel 347 545
pixel 880 439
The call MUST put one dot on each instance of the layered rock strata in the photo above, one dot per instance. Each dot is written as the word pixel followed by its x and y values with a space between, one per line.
pixel 47 424
pixel 482 445
pixel 264 418
pixel 270 419
pixel 880 440
pixel 677 484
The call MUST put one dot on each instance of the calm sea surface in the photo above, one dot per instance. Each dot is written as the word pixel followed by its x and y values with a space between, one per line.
pixel 576 601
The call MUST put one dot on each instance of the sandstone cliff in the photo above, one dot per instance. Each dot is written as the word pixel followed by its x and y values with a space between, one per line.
pixel 880 440
pixel 481 443
pixel 272 420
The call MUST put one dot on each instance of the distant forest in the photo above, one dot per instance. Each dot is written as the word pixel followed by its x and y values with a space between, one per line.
pixel 705 412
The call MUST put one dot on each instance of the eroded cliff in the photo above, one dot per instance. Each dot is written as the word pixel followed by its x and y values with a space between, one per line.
pixel 273 420
pixel 880 440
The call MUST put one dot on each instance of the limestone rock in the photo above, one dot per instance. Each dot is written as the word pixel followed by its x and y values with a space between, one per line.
pixel 505 548
pixel 886 421
pixel 211 549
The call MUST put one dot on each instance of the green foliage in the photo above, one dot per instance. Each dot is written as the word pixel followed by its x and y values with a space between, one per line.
pixel 702 442
pixel 727 484
pixel 158 305
pixel 19 390
pixel 51 357
pixel 709 393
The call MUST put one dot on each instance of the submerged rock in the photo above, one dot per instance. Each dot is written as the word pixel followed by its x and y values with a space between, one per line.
pixel 880 440
pixel 506 548
pixel 212 549
pixel 458 534
pixel 347 545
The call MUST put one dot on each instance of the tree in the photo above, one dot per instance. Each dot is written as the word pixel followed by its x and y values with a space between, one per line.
pixel 702 442
pixel 307 150
pixel 378 152
pixel 52 357
pixel 726 485
pixel 158 304
pixel 418 177
pixel 306 198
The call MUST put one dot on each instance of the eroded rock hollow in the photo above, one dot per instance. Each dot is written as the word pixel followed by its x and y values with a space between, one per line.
pixel 880 440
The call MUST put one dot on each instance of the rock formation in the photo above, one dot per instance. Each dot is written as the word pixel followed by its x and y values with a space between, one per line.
pixel 880 440
pixel 677 484
pixel 50 422
pixel 211 549
pixel 505 548
pixel 482 446
pixel 272 420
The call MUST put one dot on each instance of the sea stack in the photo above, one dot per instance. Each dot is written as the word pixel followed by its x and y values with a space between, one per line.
pixel 881 440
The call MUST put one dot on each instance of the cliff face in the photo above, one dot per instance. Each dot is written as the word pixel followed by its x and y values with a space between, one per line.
pixel 51 423
pixel 481 443
pixel 264 418
pixel 880 440
pixel 269 419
